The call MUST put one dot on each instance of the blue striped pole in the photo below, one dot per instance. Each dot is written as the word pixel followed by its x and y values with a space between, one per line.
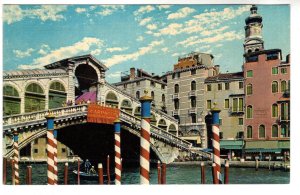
pixel 51 146
pixel 216 143
pixel 145 138
pixel 16 178
pixel 117 125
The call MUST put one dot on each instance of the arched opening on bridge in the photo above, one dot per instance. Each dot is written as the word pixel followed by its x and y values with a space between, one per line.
pixel 126 105
pixel 153 120
pixel 57 95
pixel 137 112
pixel 35 98
pixel 11 101
pixel 162 124
pixel 112 100
pixel 86 80
pixel 172 129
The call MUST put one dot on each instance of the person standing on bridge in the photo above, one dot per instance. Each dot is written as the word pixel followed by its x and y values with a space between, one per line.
pixel 87 165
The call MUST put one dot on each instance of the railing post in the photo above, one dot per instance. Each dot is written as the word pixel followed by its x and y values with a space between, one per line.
pixel 216 141
pixel 117 125
pixel 145 138
pixel 50 150
pixel 16 158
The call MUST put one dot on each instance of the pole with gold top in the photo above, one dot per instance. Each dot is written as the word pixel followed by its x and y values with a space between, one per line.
pixel 216 143
pixel 51 150
pixel 145 138
pixel 117 125
pixel 16 180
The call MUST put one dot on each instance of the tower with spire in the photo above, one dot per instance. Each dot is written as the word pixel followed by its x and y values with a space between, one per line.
pixel 253 32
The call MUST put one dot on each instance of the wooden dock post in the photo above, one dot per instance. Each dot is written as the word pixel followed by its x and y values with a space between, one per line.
pixel 66 174
pixel 29 175
pixel 78 171
pixel 202 173
pixel 107 170
pixel 256 165
pixel 214 174
pixel 4 170
pixel 158 172
pixel 226 176
pixel 269 163
pixel 100 173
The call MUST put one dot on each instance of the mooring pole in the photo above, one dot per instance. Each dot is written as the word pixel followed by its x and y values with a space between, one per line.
pixel 202 173
pixel 256 165
pixel 12 171
pixel 214 174
pixel 145 138
pixel 4 170
pixel 118 166
pixel 107 170
pixel 16 158
pixel 29 175
pixel 216 141
pixel 158 172
pixel 163 173
pixel 100 174
pixel 78 171
pixel 226 175
pixel 66 174
pixel 55 157
pixel 50 150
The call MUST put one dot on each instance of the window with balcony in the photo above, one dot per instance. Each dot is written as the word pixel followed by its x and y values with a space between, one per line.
pixel 249 132
pixel 275 70
pixel 208 104
pixel 193 85
pixel 285 111
pixel 241 85
pixel 219 86
pixel 235 104
pixel 194 119
pixel 249 73
pixel 238 104
pixel 227 86
pixel 208 87
pixel 274 131
pixel 176 104
pixel 193 102
pixel 261 131
pixel 137 94
pixel 283 86
pixel 274 110
pixel 285 132
pixel 226 103
pixel 163 98
pixel 249 89
pixel 176 88
pixel 249 113
pixel 274 87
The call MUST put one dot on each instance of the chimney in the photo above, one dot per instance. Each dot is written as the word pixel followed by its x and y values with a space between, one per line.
pixel 217 68
pixel 132 73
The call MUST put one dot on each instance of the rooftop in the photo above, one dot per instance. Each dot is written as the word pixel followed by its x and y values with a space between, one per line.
pixel 226 77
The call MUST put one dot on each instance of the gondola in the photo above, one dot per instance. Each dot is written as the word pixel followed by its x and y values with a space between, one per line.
pixel 87 176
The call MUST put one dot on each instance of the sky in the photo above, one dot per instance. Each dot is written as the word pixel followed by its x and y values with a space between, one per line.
pixel 151 37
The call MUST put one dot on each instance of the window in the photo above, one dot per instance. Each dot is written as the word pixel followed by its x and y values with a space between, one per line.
pixel 36 151
pixel 272 56
pixel 193 102
pixel 262 131
pixel 193 71
pixel 220 121
pixel 274 131
pixel 250 73
pixel 249 89
pixel 283 86
pixel 137 94
pixel 226 103
pixel 249 132
pixel 162 86
pixel 176 104
pixel 249 112
pixel 241 104
pixel 208 104
pixel 208 87
pixel 193 116
pixel 125 86
pixel 176 88
pixel 193 85
pixel 275 70
pixel 235 105
pixel 274 110
pixel 163 98
pixel 283 70
pixel 284 131
pixel 240 134
pixel 274 87
pixel 241 85
pixel 219 86
pixel 221 135
pixel 152 95
pixel 63 150
pixel 138 83
pixel 152 83
pixel 252 59
pixel 226 86
pixel 36 141
pixel 241 121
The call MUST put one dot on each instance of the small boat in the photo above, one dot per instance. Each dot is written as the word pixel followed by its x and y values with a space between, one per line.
pixel 91 176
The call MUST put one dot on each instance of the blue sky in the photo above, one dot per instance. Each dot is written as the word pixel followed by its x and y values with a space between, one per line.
pixel 150 37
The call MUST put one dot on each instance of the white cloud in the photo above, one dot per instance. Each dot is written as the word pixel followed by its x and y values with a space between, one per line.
pixel 110 9
pixel 165 49
pixel 214 31
pixel 140 38
pixel 96 52
pixel 44 49
pixel 116 59
pixel 14 13
pixel 171 29
pixel 219 45
pixel 151 26
pixel 114 75
pixel 160 7
pixel 143 9
pixel 86 45
pixel 175 54
pixel 181 13
pixel 80 10
pixel 113 49
pixel 145 21
pixel 188 40
pixel 23 54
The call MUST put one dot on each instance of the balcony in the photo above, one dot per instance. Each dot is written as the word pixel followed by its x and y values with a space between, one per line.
pixel 284 118
pixel 175 113
pixel 175 96
pixel 236 110
pixel 192 93
pixel 192 111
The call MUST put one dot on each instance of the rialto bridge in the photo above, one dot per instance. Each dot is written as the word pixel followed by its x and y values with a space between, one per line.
pixel 29 95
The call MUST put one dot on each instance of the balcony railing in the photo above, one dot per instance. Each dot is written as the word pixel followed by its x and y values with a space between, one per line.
pixel 175 96
pixel 284 118
pixel 175 113
pixel 192 111
pixel 192 93
pixel 236 110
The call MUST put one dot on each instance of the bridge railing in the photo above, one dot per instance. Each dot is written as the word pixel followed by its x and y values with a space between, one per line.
pixel 158 132
pixel 40 115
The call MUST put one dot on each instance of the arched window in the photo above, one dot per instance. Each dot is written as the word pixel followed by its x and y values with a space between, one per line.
pixel 57 95
pixel 283 86
pixel 152 95
pixel 274 87
pixel 249 50
pixel 34 98
pixel 11 101
pixel 262 131
pixel 172 129
pixel 249 89
pixel 112 100
pixel 176 88
pixel 284 131
pixel 137 94
pixel 193 85
pixel 249 112
pixel 249 132
pixel 163 98
pixel 162 124
pixel 274 110
pixel 126 105
pixel 274 131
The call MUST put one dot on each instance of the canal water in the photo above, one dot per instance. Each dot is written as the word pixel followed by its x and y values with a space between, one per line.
pixel 176 174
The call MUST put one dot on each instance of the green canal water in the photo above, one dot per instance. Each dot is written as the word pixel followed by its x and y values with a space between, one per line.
pixel 176 174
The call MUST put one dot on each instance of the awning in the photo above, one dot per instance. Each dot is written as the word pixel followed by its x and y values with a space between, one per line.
pixel 231 144
pixel 262 150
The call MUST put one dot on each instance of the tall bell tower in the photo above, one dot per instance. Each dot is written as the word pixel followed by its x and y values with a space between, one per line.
pixel 253 32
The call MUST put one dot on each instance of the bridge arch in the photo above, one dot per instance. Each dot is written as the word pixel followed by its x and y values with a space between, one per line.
pixel 35 97
pixel 57 94
pixel 162 124
pixel 127 106
pixel 172 129
pixel 111 99
pixel 11 100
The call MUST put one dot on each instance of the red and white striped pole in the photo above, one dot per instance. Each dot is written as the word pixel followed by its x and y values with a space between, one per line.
pixel 16 180
pixel 216 142
pixel 118 166
pixel 145 139
pixel 55 157
pixel 50 150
